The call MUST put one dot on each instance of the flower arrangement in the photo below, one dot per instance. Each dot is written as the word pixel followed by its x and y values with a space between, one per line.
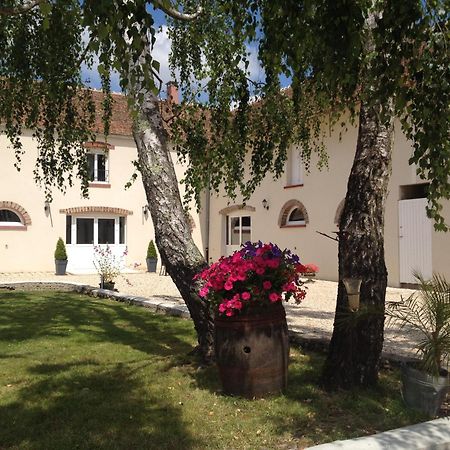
pixel 256 275
pixel 107 264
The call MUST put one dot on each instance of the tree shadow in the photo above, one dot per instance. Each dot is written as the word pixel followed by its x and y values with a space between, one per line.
pixel 105 410
pixel 88 403
pixel 59 314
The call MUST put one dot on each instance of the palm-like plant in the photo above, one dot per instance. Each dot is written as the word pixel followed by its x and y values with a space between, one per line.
pixel 427 312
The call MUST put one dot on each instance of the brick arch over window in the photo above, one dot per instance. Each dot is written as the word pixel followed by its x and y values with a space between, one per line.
pixel 96 209
pixel 19 210
pixel 339 210
pixel 234 208
pixel 287 208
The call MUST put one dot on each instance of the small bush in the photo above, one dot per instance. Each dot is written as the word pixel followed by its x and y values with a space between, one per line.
pixel 151 251
pixel 60 252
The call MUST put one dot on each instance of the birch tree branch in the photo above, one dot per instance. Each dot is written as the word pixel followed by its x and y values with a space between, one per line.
pixel 20 9
pixel 171 12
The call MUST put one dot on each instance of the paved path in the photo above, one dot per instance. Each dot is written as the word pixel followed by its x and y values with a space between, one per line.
pixel 313 319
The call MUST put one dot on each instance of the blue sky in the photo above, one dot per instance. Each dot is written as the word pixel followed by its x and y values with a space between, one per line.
pixel 161 52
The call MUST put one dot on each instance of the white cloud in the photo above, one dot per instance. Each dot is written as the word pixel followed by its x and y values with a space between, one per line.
pixel 160 53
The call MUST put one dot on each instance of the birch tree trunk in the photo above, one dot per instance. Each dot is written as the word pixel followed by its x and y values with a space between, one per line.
pixel 176 247
pixel 357 340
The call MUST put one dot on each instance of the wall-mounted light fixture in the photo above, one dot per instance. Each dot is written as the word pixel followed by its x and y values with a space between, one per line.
pixel 145 210
pixel 352 286
pixel 265 204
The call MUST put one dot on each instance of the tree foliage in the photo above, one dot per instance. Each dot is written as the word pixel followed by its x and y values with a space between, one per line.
pixel 321 47
pixel 42 49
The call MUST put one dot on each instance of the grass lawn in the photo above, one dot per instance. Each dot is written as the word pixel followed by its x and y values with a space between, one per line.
pixel 81 373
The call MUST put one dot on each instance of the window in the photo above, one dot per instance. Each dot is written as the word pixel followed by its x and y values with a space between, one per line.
pixel 85 231
pixel 295 217
pixel 293 214
pixel 8 217
pixel 294 168
pixel 339 211
pixel 95 230
pixel 239 230
pixel 98 166
pixel 411 191
pixel 68 229
pixel 106 231
pixel 121 230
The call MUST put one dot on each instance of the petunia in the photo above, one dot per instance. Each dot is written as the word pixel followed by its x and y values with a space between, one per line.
pixel 274 297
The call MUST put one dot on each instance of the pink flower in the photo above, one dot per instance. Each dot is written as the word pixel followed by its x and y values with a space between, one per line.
pixel 312 268
pixel 228 285
pixel 273 263
pixel 237 304
pixel 289 287
pixel 203 292
pixel 267 285
pixel 274 297
pixel 260 270
pixel 245 296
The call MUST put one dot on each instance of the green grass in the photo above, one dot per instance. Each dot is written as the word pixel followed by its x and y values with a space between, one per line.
pixel 80 373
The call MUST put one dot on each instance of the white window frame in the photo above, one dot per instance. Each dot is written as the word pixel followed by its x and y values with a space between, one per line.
pixel 229 219
pixel 96 218
pixel 96 153
pixel 291 223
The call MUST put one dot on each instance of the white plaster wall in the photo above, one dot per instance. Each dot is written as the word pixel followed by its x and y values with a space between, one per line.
pixel 32 250
pixel 321 194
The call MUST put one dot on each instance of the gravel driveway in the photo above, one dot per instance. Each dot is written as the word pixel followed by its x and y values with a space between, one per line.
pixel 312 319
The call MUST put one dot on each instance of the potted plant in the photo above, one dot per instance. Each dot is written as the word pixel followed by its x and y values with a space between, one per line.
pixel 427 312
pixel 108 265
pixel 245 292
pixel 60 258
pixel 152 257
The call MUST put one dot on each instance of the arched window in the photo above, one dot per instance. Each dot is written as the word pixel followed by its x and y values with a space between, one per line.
pixel 295 217
pixel 7 216
pixel 339 210
pixel 13 216
pixel 293 214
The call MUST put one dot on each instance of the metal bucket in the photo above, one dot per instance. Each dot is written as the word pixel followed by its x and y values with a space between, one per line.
pixel 252 352
pixel 422 391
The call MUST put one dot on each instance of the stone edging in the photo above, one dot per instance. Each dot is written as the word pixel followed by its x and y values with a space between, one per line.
pixel 155 303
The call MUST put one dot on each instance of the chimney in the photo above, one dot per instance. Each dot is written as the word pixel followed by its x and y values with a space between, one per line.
pixel 172 93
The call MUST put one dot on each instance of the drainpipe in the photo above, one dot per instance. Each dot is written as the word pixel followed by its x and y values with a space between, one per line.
pixel 207 212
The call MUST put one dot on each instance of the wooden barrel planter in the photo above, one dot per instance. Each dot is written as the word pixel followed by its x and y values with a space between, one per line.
pixel 252 352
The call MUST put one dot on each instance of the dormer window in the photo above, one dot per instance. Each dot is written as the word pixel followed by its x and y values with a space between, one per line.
pixel 294 168
pixel 98 166
pixel 97 156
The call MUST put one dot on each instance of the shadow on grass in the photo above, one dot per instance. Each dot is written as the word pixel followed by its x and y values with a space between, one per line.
pixel 54 314
pixel 107 410
pixel 72 400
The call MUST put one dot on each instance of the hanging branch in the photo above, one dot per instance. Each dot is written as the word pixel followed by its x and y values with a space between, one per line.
pixel 177 14
pixel 20 9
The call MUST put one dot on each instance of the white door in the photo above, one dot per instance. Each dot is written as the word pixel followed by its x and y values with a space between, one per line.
pixel 238 231
pixel 414 240
pixel 83 233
